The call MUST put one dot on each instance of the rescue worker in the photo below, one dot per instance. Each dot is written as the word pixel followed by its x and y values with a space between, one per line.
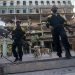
pixel 56 22
pixel 17 36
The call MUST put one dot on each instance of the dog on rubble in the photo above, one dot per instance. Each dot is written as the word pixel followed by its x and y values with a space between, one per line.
pixel 45 51
pixel 39 51
pixel 36 51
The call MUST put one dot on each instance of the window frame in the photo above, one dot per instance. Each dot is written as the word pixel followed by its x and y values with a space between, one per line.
pixel 3 11
pixel 18 2
pixel 24 2
pixel 4 3
pixel 48 2
pixel 58 2
pixel 10 11
pixel 30 2
pixel 11 3
pixel 23 10
pixel 53 2
pixel 36 2
pixel 42 2
pixel 64 2
pixel 69 2
pixel 17 10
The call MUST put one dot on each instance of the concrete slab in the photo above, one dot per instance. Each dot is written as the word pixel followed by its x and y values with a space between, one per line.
pixel 30 64
pixel 39 65
pixel 30 57
pixel 70 74
pixel 1 70
pixel 62 71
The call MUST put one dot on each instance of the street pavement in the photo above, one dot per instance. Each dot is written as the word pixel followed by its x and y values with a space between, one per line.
pixel 30 57
pixel 62 71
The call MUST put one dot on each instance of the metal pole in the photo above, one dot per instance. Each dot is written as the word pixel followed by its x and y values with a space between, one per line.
pixel 42 42
pixel 29 24
pixel 4 47
pixel 41 22
pixel 15 20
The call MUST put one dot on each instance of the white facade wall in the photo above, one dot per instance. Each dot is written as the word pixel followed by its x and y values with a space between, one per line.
pixel 33 2
pixel 21 7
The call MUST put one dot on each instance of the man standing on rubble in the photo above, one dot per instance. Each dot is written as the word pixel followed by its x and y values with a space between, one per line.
pixel 57 22
pixel 17 36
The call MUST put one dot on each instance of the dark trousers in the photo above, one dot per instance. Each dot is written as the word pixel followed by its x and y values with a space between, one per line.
pixel 60 34
pixel 25 47
pixel 17 53
pixel 26 50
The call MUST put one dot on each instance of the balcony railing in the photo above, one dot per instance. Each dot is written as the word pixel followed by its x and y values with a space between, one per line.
pixel 40 8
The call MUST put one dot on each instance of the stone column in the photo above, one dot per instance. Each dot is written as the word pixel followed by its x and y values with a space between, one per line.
pixel 4 47
pixel 42 43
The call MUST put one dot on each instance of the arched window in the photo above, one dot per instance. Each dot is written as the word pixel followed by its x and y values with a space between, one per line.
pixel 64 2
pixel 69 2
pixel 24 2
pixel 36 2
pixel 30 2
pixel 42 2
pixel 53 2
pixel 11 3
pixel 18 2
pixel 3 11
pixel 37 10
pixel 11 11
pixel 24 10
pixel 30 10
pixel 4 3
pixel 17 11
pixel 58 2
pixel 48 3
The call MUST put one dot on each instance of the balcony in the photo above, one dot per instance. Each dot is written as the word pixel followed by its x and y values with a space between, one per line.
pixel 33 7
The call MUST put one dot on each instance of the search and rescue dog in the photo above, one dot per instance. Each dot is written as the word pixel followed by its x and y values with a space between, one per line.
pixel 40 51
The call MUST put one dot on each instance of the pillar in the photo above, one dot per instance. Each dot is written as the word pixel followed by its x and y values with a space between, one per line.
pixel 4 47
pixel 42 43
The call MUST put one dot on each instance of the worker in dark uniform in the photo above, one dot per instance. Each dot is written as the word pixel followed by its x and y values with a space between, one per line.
pixel 56 22
pixel 17 36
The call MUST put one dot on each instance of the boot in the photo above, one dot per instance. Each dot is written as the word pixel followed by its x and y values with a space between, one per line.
pixel 16 59
pixel 20 59
pixel 68 54
pixel 59 54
